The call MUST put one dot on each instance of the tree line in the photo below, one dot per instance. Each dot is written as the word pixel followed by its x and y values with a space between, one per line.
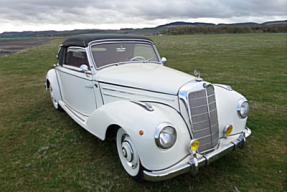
pixel 224 29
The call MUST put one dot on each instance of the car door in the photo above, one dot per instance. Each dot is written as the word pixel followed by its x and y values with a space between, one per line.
pixel 77 85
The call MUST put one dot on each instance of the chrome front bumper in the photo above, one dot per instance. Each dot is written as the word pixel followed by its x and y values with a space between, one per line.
pixel 194 163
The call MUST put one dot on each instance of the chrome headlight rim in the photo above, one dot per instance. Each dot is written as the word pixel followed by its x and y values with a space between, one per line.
pixel 239 108
pixel 157 135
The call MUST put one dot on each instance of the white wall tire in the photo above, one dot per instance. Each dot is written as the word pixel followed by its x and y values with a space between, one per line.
pixel 54 101
pixel 128 155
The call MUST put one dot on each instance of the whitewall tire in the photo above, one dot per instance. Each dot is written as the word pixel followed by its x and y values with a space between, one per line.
pixel 54 101
pixel 128 155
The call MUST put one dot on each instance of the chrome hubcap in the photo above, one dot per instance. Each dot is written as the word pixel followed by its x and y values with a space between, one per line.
pixel 52 96
pixel 125 153
pixel 128 152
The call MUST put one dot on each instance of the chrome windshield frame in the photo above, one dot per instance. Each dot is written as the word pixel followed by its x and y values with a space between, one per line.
pixel 114 41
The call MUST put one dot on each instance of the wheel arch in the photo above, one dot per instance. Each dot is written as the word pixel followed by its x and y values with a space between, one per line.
pixel 111 131
pixel 47 85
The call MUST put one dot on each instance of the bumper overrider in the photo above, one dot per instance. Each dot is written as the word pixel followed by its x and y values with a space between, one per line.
pixel 195 162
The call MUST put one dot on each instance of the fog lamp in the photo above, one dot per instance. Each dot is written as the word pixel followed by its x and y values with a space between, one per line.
pixel 194 145
pixel 227 130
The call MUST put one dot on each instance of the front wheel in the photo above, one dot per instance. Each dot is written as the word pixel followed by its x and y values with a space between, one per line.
pixel 128 155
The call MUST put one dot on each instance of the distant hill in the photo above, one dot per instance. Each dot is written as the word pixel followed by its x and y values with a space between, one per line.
pixel 27 33
pixel 182 23
pixel 239 24
pixel 53 33
pixel 165 28
pixel 276 23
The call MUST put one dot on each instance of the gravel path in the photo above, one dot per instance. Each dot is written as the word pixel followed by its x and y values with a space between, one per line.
pixel 9 46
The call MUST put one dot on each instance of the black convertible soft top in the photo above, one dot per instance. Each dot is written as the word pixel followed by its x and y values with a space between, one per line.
pixel 84 39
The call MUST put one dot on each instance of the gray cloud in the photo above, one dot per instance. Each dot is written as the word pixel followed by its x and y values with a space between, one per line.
pixel 96 12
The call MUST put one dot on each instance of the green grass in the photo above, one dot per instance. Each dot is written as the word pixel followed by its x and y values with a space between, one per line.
pixel 45 150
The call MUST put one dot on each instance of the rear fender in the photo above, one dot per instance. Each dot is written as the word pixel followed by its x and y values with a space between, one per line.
pixel 52 80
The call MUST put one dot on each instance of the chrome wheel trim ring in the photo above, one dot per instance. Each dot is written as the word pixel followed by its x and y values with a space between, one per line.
pixel 55 103
pixel 127 153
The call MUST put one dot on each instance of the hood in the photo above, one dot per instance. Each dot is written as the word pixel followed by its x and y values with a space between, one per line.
pixel 148 76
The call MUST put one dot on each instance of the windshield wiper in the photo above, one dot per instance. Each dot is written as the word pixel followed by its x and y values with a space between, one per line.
pixel 147 60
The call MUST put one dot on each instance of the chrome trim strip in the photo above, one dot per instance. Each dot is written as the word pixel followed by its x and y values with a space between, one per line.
pixel 146 106
pixel 103 82
pixel 72 109
pixel 208 110
pixel 117 40
pixel 200 122
pixel 126 92
pixel 110 95
pixel 205 160
pixel 61 71
pixel 199 114
pixel 77 69
pixel 227 87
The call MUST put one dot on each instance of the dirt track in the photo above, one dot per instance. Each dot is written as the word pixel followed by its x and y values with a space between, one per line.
pixel 8 46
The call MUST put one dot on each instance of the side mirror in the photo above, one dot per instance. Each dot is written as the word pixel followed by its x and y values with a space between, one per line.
pixel 84 68
pixel 163 60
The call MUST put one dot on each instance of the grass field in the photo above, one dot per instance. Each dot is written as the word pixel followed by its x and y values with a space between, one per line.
pixel 45 150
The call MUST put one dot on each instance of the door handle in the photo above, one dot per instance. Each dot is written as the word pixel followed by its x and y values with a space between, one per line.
pixel 89 86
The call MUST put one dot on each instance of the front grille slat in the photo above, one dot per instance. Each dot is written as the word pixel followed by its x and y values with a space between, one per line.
pixel 204 119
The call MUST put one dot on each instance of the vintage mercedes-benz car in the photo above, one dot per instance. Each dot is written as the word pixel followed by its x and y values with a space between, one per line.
pixel 165 122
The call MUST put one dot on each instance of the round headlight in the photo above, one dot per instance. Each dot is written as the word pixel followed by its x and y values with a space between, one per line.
pixel 243 108
pixel 165 136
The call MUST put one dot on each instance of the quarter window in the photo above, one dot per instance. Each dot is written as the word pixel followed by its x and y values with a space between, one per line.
pixel 76 57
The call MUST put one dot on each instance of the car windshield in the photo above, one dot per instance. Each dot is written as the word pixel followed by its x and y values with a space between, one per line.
pixel 115 53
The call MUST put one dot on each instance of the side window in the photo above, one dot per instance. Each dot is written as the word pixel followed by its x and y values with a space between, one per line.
pixel 76 57
pixel 60 56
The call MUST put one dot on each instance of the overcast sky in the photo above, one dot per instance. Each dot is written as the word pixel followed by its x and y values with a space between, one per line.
pixel 36 15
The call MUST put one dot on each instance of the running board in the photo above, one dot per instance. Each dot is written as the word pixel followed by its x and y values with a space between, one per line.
pixel 79 118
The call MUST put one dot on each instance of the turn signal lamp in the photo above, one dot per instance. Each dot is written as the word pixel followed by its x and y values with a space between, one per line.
pixel 227 130
pixel 194 145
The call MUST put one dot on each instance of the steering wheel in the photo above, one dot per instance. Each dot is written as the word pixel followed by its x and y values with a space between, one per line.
pixel 137 58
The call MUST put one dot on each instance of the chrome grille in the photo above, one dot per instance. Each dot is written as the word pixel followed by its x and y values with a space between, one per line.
pixel 204 121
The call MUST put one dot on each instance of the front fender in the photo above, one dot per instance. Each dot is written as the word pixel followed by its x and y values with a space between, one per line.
pixel 52 80
pixel 133 118
pixel 226 101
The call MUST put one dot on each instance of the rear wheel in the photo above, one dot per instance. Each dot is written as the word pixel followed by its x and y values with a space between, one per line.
pixel 128 155
pixel 54 101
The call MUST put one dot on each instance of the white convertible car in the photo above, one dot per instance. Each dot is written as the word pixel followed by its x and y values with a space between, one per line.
pixel 165 122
